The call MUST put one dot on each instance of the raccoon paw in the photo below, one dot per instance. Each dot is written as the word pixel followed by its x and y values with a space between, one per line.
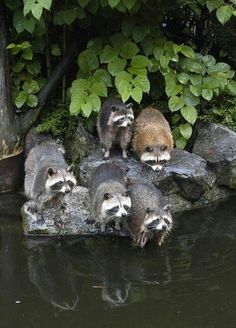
pixel 32 208
pixel 90 221
pixel 40 220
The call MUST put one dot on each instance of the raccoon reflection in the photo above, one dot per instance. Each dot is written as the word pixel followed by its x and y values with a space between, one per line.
pixel 114 124
pixel 110 200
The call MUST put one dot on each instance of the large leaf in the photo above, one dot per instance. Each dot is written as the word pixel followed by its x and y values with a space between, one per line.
pixel 207 94
pixel 103 76
pixel 186 130
pixel 109 54
pixel 181 143
pixel 142 82
pixel 213 4
pixel 95 102
pixel 129 50
pixel 172 89
pixel 164 61
pixel 21 99
pixel 99 89
pixel 140 61
pixel 189 113
pixel 113 3
pixel 137 94
pixel 87 61
pixel 175 103
pixel 224 14
pixel 116 66
pixel 37 10
pixel 32 101
pixel 183 77
pixel 187 51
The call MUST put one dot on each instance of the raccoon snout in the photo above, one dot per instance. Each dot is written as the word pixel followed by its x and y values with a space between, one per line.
pixel 67 190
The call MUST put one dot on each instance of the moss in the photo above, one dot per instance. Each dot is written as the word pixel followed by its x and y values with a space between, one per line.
pixel 224 113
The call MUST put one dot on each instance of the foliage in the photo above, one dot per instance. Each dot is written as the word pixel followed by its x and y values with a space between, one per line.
pixel 141 50
pixel 223 113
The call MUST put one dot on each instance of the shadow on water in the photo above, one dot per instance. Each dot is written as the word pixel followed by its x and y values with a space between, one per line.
pixel 105 282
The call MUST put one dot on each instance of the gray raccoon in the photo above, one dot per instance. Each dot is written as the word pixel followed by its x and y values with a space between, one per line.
pixel 108 194
pixel 114 124
pixel 149 217
pixel 47 176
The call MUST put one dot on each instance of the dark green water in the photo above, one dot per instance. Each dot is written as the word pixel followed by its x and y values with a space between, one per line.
pixel 97 282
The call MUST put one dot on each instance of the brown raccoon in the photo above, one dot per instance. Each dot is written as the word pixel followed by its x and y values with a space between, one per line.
pixel 152 139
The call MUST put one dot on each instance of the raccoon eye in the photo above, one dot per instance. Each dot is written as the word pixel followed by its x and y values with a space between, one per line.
pixel 149 149
pixel 163 147
pixel 126 207
pixel 70 183
pixel 166 221
pixel 107 196
pixel 57 185
pixel 149 210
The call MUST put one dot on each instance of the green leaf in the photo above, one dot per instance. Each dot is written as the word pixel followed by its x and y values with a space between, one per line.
pixel 129 50
pixel 116 66
pixel 193 66
pixel 164 61
pixel 196 90
pixel 86 109
pixel 33 68
pixel 70 16
pixel 88 61
pixel 172 89
pixel 37 10
pixel 113 3
pixel 31 86
pixel 208 60
pixel 55 50
pixel 27 54
pixel 103 76
pixel 109 54
pixel 196 79
pixel 32 101
pixel 122 76
pixel 186 130
pixel 218 67
pixel 21 99
pixel 224 14
pixel 99 89
pixel 95 102
pixel 181 143
pixel 158 51
pixel 139 33
pixel 187 52
pixel 129 4
pixel 83 3
pixel 213 4
pixel 189 113
pixel 231 87
pixel 183 77
pixel 141 81
pixel 140 61
pixel 45 4
pixel 175 103
pixel 189 98
pixel 18 67
pixel 137 94
pixel 93 6
pixel 207 94
pixel 28 4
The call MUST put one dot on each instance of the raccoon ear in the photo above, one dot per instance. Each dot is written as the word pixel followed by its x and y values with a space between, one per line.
pixel 149 210
pixel 130 105
pixel 70 168
pixel 51 171
pixel 107 196
pixel 127 193
pixel 149 149
pixel 163 147
pixel 114 108
pixel 167 207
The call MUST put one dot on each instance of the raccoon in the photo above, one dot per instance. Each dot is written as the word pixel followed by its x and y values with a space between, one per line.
pixel 110 200
pixel 47 176
pixel 152 139
pixel 114 124
pixel 149 218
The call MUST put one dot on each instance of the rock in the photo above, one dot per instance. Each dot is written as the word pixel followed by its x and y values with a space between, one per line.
pixel 185 181
pixel 80 145
pixel 217 145
pixel 76 217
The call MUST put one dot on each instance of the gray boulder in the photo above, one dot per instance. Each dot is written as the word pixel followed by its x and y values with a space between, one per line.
pixel 217 145
pixel 76 217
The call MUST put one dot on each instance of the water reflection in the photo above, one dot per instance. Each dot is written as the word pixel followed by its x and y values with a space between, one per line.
pixel 190 282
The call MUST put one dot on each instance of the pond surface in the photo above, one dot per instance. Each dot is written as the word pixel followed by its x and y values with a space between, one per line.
pixel 105 282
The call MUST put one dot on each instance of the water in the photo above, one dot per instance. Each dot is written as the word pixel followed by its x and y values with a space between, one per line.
pixel 104 282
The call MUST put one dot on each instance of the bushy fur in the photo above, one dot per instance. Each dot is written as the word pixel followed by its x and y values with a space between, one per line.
pixel 108 132
pixel 147 203
pixel 107 179
pixel 152 131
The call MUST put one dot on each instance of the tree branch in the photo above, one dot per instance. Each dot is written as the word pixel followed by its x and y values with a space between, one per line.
pixel 25 122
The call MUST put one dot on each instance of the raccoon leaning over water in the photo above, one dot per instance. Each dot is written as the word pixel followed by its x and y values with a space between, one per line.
pixel 110 200
pixel 47 176
pixel 114 124
pixel 152 139
pixel 149 218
